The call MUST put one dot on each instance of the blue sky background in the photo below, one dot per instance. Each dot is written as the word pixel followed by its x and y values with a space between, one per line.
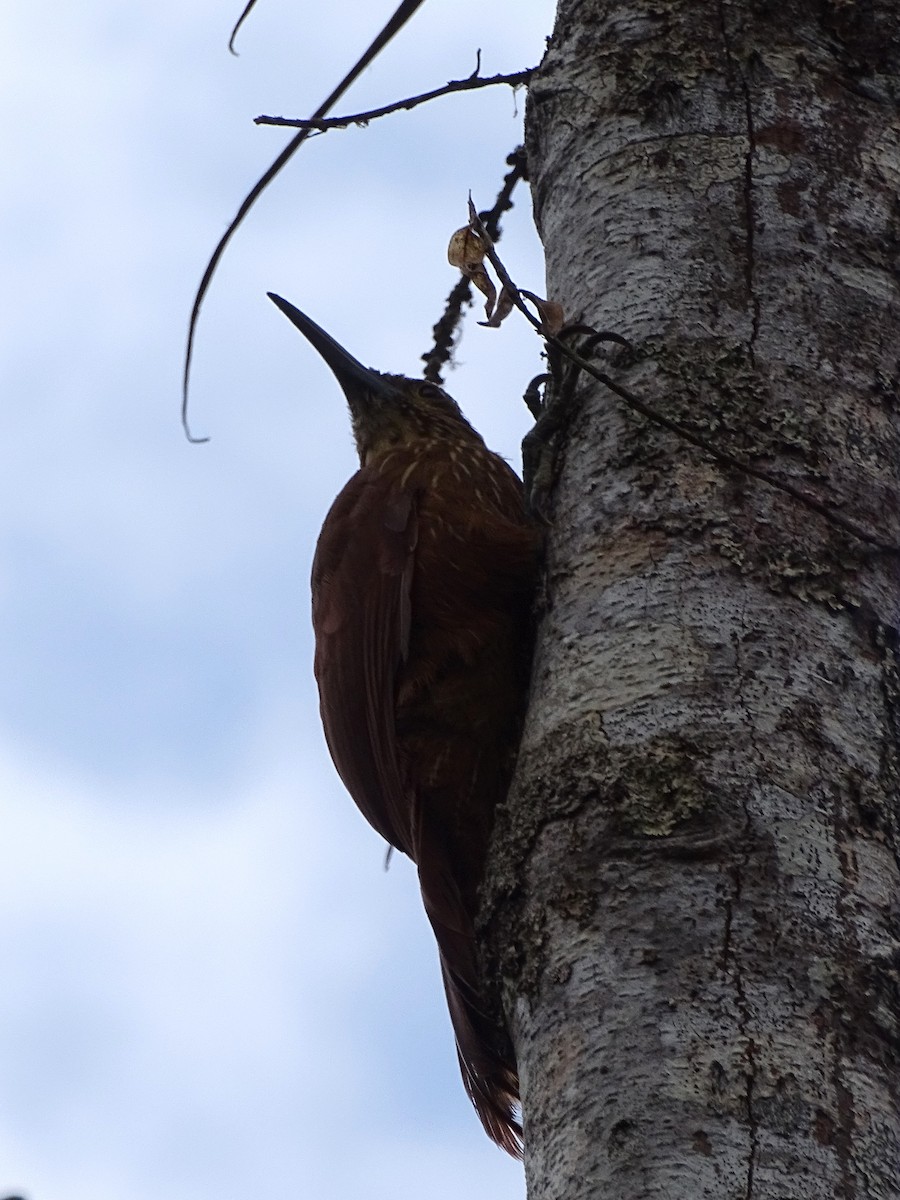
pixel 210 988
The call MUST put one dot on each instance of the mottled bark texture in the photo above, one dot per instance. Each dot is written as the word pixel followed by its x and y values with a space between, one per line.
pixel 694 900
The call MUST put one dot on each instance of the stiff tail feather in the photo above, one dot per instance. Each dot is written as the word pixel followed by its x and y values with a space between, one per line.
pixel 483 1045
pixel 490 1076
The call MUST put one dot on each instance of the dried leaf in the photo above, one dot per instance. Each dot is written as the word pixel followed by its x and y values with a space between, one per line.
pixel 552 316
pixel 466 251
pixel 485 284
pixel 504 308
pixel 505 305
pixel 550 312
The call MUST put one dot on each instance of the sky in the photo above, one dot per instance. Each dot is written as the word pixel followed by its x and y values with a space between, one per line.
pixel 211 987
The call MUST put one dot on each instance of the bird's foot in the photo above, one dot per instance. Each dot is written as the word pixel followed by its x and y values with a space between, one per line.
pixel 554 400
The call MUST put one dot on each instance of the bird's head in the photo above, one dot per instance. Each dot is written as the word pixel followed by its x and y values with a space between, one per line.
pixel 387 411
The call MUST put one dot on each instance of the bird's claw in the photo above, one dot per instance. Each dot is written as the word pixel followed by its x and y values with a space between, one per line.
pixel 553 399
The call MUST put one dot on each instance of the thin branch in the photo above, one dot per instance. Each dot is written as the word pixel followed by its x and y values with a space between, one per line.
pixel 518 169
pixel 401 15
pixel 238 23
pixel 738 462
pixel 444 332
pixel 321 124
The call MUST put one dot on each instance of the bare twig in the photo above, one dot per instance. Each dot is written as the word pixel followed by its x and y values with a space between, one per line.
pixel 323 124
pixel 444 332
pixel 736 461
pixel 518 169
pixel 401 15
pixel 238 23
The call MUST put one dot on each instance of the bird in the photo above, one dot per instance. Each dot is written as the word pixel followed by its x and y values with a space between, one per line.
pixel 423 585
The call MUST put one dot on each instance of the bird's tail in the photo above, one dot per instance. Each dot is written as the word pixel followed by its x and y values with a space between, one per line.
pixel 489 1072
pixel 483 1045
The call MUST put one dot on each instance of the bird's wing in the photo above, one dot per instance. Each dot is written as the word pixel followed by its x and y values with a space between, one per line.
pixel 361 584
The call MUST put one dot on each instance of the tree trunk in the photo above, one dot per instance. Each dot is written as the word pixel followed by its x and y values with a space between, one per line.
pixel 694 899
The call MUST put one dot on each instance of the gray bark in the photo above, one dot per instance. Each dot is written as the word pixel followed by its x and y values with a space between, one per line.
pixel 693 903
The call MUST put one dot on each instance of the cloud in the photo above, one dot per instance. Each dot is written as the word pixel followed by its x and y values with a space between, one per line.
pixel 195 996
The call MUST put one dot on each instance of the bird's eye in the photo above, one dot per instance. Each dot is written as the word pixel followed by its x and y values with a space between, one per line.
pixel 428 391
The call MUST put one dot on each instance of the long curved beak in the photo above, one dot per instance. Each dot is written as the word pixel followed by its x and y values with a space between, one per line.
pixel 360 384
